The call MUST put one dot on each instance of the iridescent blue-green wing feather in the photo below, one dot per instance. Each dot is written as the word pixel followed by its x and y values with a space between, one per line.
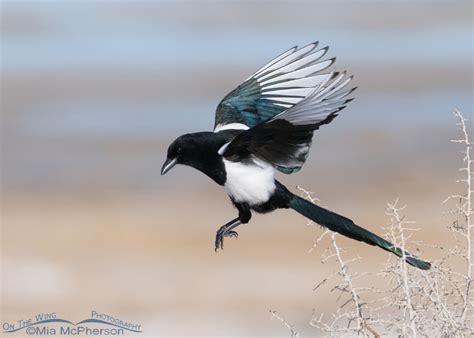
pixel 277 86
pixel 285 139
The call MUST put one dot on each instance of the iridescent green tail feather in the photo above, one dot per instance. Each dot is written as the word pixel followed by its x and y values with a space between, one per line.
pixel 348 228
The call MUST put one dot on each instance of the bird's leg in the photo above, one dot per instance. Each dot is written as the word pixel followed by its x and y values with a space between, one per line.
pixel 226 229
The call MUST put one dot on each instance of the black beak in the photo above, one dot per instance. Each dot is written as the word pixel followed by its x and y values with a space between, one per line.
pixel 169 163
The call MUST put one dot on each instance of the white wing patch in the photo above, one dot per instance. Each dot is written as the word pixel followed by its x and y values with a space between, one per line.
pixel 327 98
pixel 310 81
pixel 291 77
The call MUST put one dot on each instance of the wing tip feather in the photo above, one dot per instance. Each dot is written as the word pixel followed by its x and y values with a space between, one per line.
pixel 314 44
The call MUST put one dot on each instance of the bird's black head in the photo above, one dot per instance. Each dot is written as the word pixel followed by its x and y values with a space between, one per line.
pixel 193 150
pixel 176 154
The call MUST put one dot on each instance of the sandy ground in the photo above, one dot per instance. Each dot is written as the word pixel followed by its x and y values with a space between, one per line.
pixel 146 254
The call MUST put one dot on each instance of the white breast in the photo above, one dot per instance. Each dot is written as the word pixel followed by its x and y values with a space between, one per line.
pixel 251 183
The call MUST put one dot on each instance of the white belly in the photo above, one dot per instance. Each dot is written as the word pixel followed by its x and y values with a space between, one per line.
pixel 249 183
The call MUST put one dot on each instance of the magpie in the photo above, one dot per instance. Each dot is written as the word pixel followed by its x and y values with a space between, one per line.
pixel 266 124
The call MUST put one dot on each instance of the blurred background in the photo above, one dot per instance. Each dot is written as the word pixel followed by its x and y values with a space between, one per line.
pixel 93 92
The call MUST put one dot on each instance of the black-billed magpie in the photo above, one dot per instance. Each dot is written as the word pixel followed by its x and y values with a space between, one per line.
pixel 267 123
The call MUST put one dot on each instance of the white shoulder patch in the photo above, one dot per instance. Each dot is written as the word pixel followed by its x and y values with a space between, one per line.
pixel 223 148
pixel 238 126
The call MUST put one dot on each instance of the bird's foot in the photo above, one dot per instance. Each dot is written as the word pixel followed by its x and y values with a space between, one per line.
pixel 231 234
pixel 221 233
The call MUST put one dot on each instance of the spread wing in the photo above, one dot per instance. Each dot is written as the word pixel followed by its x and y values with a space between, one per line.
pixel 277 86
pixel 284 140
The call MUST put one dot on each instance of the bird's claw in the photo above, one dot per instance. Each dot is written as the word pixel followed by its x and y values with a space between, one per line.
pixel 231 234
pixel 219 243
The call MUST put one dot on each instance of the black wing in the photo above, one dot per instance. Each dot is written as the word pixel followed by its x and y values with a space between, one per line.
pixel 284 140
pixel 277 86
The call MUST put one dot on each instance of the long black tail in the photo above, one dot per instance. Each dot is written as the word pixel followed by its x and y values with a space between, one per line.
pixel 348 228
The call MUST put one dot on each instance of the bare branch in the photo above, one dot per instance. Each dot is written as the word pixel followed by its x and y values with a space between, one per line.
pixel 293 333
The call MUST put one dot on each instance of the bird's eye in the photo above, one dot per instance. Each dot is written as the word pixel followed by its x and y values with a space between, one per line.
pixel 179 150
